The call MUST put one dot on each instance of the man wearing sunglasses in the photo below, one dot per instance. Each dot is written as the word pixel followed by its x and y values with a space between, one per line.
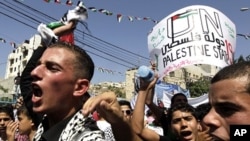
pixel 126 108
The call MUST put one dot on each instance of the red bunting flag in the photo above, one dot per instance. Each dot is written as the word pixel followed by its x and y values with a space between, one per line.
pixel 69 2
pixel 119 17
pixel 57 1
pixel 13 44
pixel 108 13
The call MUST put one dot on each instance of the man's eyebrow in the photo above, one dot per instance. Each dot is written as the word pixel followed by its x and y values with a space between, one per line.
pixel 223 104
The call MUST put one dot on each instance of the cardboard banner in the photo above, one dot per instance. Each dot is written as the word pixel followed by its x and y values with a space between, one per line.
pixel 193 35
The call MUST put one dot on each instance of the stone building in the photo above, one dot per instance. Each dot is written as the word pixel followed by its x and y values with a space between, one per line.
pixel 16 62
pixel 18 59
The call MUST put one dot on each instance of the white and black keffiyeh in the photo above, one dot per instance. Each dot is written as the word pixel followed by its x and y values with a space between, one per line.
pixel 76 130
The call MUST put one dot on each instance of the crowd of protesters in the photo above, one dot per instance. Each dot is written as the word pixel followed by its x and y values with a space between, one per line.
pixel 180 122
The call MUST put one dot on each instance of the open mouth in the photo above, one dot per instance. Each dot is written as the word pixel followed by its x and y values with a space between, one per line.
pixel 186 133
pixel 36 90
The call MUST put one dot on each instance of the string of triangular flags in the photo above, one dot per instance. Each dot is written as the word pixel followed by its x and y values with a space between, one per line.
pixel 100 69
pixel 107 12
pixel 104 70
pixel 13 44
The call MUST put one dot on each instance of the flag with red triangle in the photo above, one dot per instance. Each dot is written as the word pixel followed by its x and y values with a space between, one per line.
pixel 69 2
pixel 13 44
pixel 57 1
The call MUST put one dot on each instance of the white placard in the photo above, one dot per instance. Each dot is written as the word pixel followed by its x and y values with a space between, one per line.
pixel 193 35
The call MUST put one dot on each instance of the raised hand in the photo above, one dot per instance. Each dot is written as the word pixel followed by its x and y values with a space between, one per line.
pixel 11 130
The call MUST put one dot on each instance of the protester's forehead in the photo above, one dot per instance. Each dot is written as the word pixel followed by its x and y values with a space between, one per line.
pixel 57 53
pixel 125 107
pixel 181 114
pixel 229 89
pixel 4 114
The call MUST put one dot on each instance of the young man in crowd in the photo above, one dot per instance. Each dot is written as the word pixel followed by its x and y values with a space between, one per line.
pixel 184 122
pixel 229 96
pixel 126 108
pixel 161 114
pixel 60 81
pixel 26 126
pixel 54 85
pixel 56 80
pixel 138 114
pixel 62 30
pixel 188 129
pixel 6 116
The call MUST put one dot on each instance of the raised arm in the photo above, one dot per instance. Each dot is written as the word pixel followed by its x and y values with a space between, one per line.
pixel 138 114
pixel 108 107
pixel 158 112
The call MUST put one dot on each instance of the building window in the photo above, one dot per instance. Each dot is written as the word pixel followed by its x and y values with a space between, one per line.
pixel 24 63
pixel 25 53
pixel 172 74
pixel 11 62
pixel 11 70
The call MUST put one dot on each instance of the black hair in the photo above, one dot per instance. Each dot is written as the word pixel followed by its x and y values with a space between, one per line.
pixel 236 70
pixel 83 63
pixel 124 102
pixel 183 107
pixel 174 97
pixel 202 110
pixel 23 109
pixel 8 109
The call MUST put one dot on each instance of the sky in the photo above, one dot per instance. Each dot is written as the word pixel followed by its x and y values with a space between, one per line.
pixel 126 35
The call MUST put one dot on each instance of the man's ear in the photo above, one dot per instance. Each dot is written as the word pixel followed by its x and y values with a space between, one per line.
pixel 81 87
pixel 199 126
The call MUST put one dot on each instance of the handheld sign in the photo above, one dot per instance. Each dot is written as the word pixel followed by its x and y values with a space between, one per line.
pixel 192 35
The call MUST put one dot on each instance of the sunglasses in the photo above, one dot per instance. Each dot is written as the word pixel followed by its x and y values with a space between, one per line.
pixel 128 112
